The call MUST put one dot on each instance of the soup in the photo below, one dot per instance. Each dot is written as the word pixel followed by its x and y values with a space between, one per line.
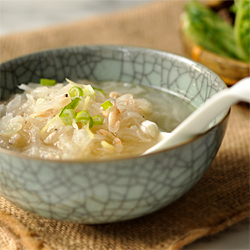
pixel 88 120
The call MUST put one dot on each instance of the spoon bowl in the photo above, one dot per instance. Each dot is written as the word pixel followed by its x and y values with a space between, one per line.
pixel 201 118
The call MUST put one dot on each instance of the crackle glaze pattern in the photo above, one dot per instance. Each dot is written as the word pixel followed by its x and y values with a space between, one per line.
pixel 115 190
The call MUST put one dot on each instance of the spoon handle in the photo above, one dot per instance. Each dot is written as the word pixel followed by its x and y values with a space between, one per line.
pixel 199 120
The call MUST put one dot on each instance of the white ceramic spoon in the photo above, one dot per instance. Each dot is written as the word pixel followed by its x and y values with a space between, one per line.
pixel 199 120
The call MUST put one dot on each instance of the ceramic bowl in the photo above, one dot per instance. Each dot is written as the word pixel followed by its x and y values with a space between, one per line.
pixel 94 192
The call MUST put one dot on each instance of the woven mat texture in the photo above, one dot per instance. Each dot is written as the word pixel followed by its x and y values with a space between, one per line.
pixel 219 200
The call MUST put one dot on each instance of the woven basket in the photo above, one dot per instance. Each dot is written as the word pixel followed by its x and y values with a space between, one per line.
pixel 229 70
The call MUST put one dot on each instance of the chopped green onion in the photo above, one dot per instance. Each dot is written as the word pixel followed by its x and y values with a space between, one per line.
pixel 89 91
pixel 75 92
pixel 91 123
pixel 94 88
pixel 97 120
pixel 47 82
pixel 106 105
pixel 83 115
pixel 67 115
pixel 73 104
pixel 84 118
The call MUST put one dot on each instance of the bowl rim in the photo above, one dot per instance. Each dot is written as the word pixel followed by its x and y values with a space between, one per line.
pixel 117 48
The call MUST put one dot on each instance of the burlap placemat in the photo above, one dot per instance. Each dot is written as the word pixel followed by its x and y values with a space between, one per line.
pixel 153 25
pixel 219 200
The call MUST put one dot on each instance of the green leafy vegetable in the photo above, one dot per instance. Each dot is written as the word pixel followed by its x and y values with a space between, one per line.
pixel 242 27
pixel 47 82
pixel 207 29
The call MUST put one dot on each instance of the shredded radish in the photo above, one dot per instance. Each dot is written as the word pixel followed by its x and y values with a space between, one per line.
pixel 41 122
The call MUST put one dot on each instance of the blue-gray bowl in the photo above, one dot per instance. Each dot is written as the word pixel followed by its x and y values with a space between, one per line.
pixel 94 192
